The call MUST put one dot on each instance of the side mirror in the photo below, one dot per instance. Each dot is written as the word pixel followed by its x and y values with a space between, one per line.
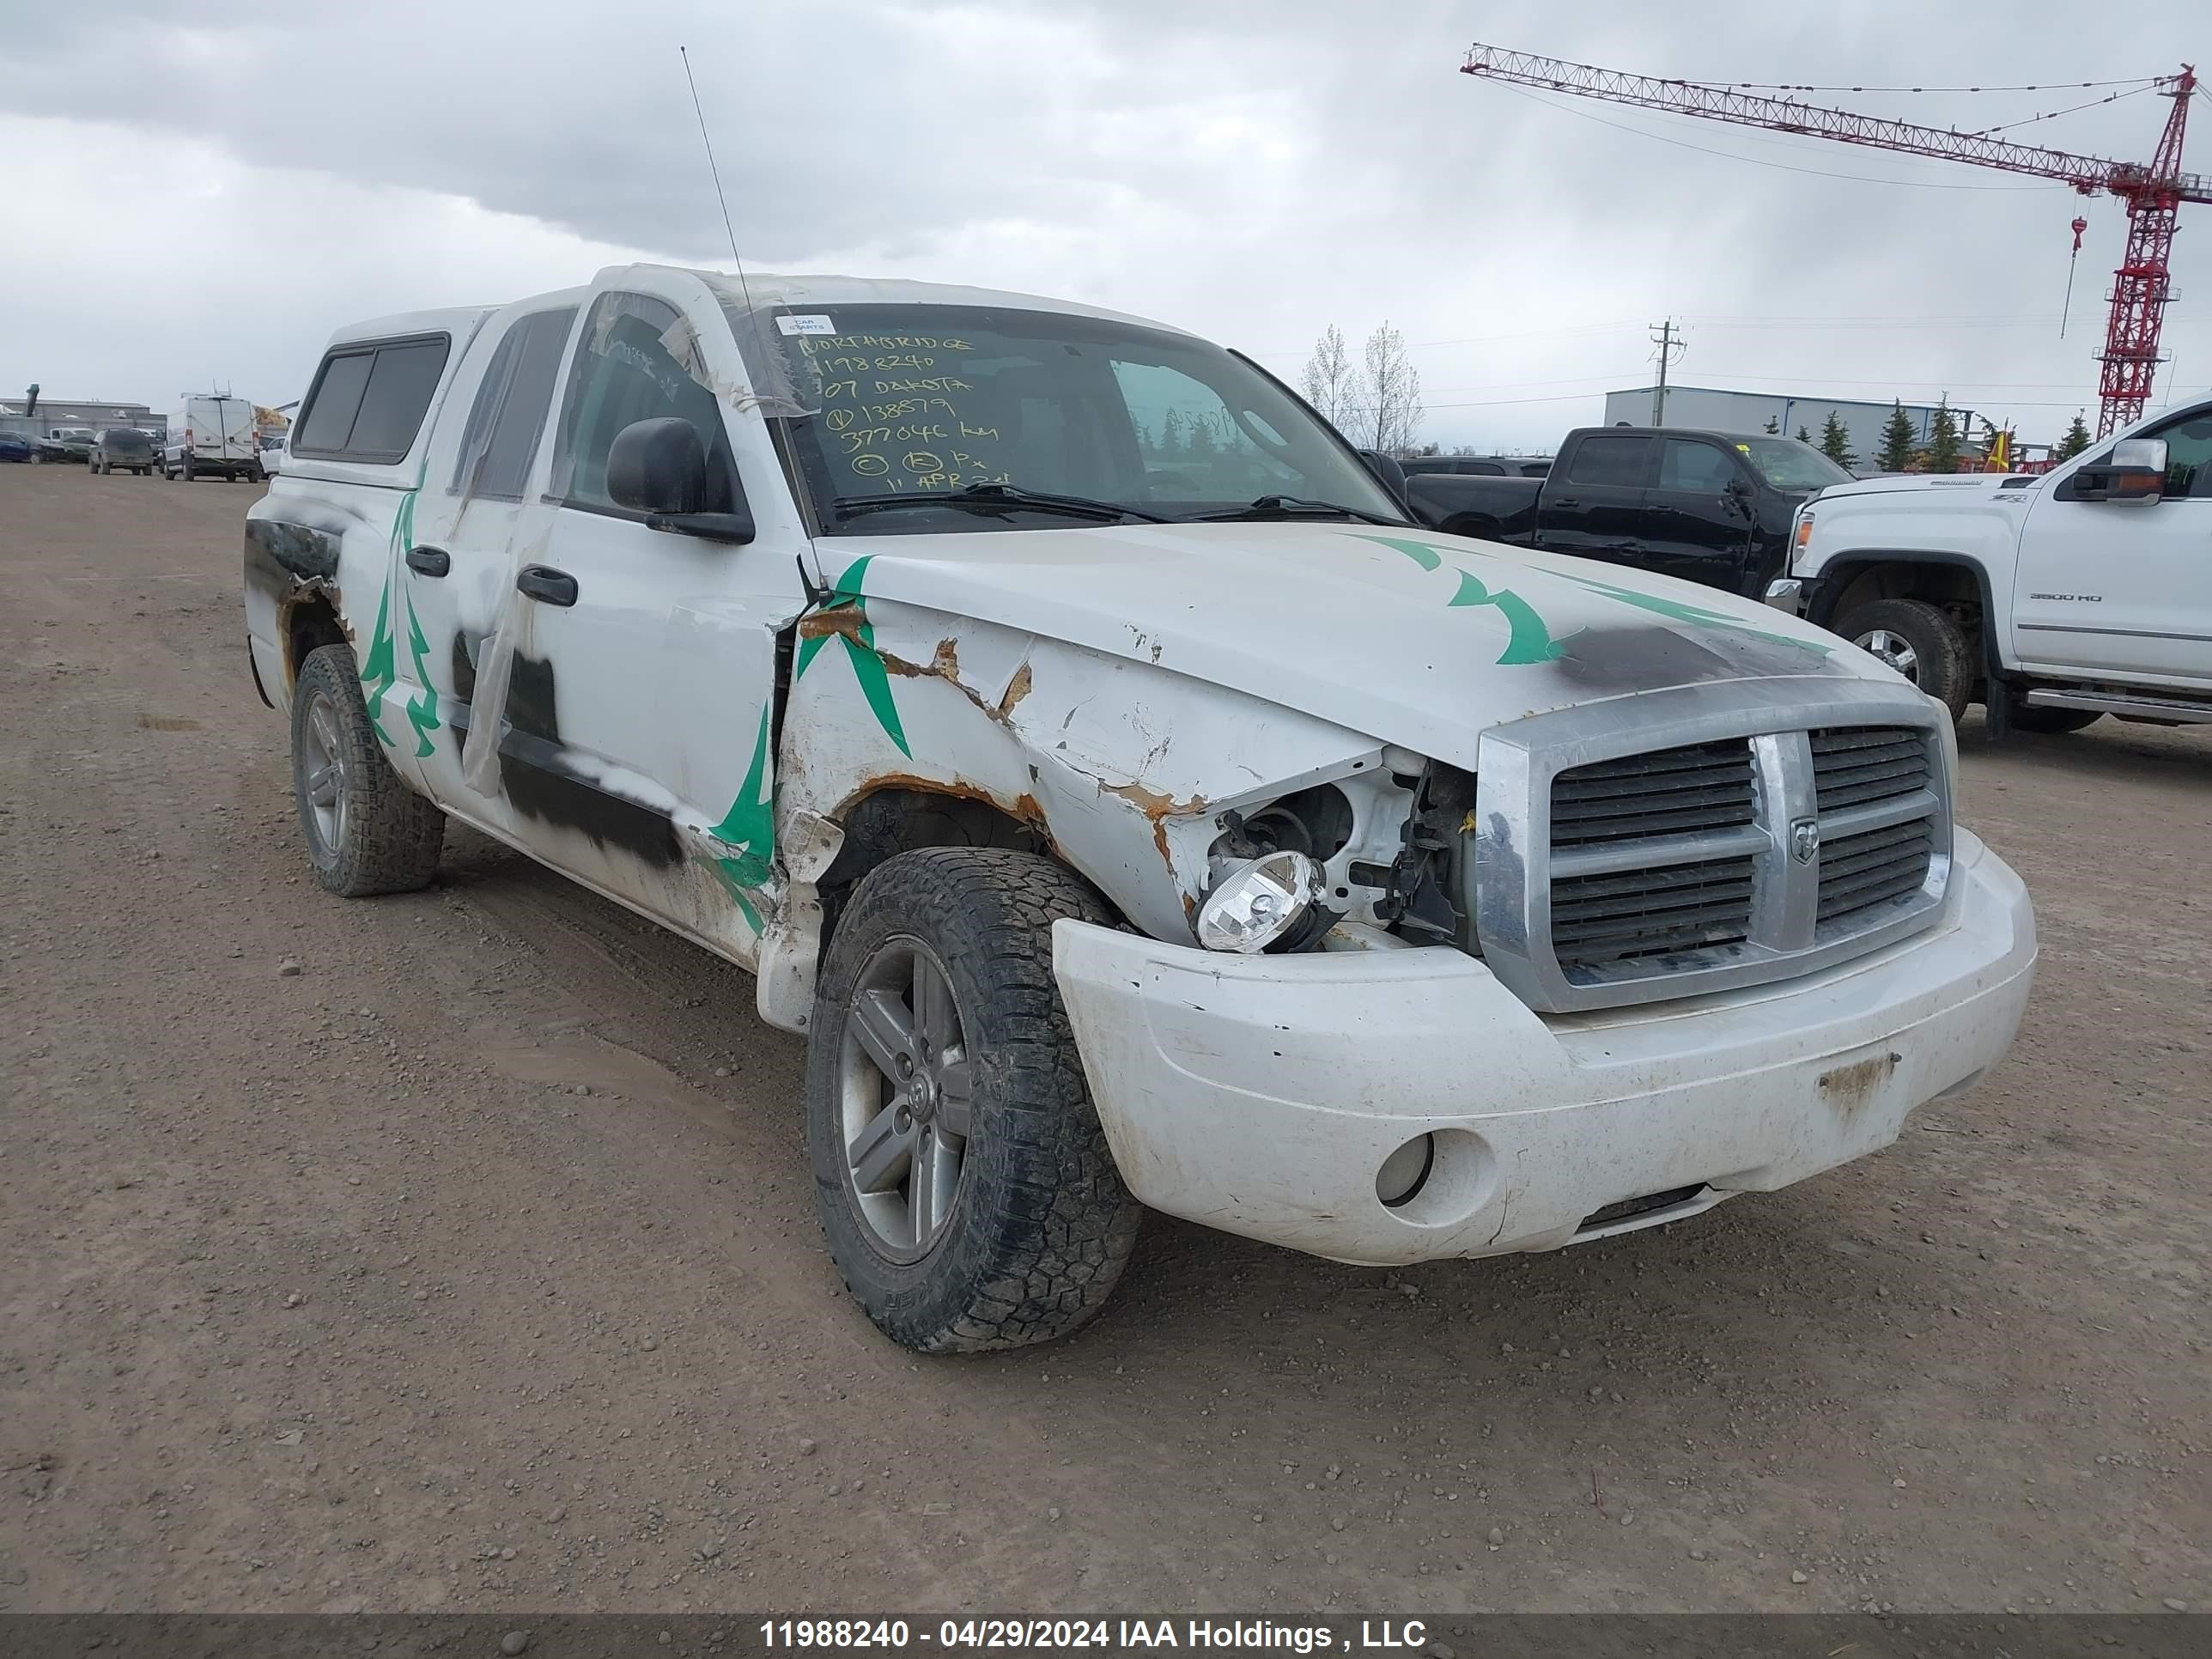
pixel 2135 472
pixel 658 468
pixel 1387 470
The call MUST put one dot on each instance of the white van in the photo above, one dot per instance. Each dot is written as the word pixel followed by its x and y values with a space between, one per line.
pixel 1124 820
pixel 211 437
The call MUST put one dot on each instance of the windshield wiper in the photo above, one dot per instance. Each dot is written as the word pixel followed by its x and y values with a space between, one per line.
pixel 997 498
pixel 1293 507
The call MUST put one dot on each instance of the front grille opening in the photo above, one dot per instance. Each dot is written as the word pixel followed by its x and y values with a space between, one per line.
pixel 1670 792
pixel 1599 921
pixel 1875 867
pixel 1629 1208
pixel 1859 765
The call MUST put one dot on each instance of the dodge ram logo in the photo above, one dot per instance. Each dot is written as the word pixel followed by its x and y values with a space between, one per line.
pixel 1805 840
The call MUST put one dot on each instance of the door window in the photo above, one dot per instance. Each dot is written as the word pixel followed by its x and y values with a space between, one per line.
pixel 638 359
pixel 1608 460
pixel 1685 464
pixel 2189 456
pixel 509 416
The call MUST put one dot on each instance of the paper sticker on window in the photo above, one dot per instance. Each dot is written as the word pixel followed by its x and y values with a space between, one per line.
pixel 813 323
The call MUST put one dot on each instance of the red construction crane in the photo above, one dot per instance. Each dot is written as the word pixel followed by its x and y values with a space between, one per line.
pixel 2153 192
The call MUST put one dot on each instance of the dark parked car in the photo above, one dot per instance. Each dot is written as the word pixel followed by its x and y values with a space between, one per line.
pixel 1708 506
pixel 1481 466
pixel 14 446
pixel 64 443
pixel 126 447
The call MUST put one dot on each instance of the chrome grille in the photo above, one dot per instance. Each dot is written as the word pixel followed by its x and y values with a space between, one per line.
pixel 1776 827
pixel 1873 867
pixel 1856 764
pixel 1858 770
pixel 1604 914
pixel 1672 791
pixel 1597 920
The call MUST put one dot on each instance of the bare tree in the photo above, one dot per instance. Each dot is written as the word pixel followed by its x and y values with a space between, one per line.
pixel 1390 412
pixel 1329 381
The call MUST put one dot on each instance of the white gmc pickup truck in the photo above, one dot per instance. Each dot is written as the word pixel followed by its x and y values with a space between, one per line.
pixel 2054 600
pixel 1126 802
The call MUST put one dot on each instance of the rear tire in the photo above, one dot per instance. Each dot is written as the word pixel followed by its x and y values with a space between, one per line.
pixel 1920 641
pixel 937 1006
pixel 188 469
pixel 366 831
pixel 2032 717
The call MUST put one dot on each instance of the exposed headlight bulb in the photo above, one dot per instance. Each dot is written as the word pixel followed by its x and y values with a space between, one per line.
pixel 1261 902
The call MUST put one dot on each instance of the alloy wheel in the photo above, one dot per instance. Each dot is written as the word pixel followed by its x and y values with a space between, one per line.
pixel 1893 648
pixel 322 771
pixel 906 1094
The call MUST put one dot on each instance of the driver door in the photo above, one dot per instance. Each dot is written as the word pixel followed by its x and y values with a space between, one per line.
pixel 638 756
pixel 2122 589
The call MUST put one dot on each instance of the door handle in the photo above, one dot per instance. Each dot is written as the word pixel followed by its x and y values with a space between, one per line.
pixel 546 585
pixel 429 561
pixel 1564 500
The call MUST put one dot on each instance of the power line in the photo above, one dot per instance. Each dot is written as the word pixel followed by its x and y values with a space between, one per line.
pixel 2052 115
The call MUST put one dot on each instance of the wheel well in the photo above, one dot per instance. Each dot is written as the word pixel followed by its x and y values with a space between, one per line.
pixel 1951 587
pixel 1476 525
pixel 899 819
pixel 310 621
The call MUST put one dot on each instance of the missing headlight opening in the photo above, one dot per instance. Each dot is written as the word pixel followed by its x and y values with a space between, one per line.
pixel 1420 899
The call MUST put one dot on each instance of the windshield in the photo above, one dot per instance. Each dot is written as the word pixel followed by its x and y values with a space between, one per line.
pixel 1788 464
pixel 927 400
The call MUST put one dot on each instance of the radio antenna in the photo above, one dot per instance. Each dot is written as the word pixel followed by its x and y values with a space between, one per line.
pixel 716 173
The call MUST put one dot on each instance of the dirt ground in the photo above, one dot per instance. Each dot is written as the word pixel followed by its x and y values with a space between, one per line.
pixel 474 1267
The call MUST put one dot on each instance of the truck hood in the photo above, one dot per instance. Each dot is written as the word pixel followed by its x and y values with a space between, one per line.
pixel 1976 486
pixel 1407 636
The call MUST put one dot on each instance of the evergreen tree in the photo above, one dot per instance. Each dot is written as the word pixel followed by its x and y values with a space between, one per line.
pixel 1803 436
pixel 1898 441
pixel 1171 440
pixel 2076 440
pixel 1836 442
pixel 1943 439
pixel 1773 423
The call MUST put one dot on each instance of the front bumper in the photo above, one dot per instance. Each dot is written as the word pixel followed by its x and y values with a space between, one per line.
pixel 1261 1094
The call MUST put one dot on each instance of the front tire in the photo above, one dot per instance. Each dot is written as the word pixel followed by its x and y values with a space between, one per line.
pixel 366 831
pixel 1920 641
pixel 969 1196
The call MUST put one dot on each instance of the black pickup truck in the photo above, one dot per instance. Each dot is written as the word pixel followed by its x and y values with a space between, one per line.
pixel 1708 506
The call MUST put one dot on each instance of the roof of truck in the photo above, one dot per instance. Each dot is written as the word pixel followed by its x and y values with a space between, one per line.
pixel 773 290
pixel 757 291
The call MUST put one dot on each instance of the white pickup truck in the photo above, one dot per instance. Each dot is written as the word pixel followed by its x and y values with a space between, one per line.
pixel 1124 818
pixel 2054 600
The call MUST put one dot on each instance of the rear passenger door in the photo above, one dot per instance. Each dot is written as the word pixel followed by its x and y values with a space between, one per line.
pixel 1594 508
pixel 456 568
pixel 1693 527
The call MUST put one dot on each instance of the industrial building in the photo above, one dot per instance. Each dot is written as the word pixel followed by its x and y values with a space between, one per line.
pixel 65 411
pixel 1787 412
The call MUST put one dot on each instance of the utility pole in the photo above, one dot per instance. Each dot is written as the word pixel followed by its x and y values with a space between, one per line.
pixel 1669 343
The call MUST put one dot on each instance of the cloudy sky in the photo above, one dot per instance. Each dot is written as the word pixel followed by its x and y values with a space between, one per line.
pixel 199 195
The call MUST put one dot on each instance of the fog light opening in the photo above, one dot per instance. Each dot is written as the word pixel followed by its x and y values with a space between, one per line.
pixel 1406 1171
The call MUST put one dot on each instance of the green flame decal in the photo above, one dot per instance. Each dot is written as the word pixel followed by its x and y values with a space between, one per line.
pixel 860 650
pixel 1529 639
pixel 750 827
